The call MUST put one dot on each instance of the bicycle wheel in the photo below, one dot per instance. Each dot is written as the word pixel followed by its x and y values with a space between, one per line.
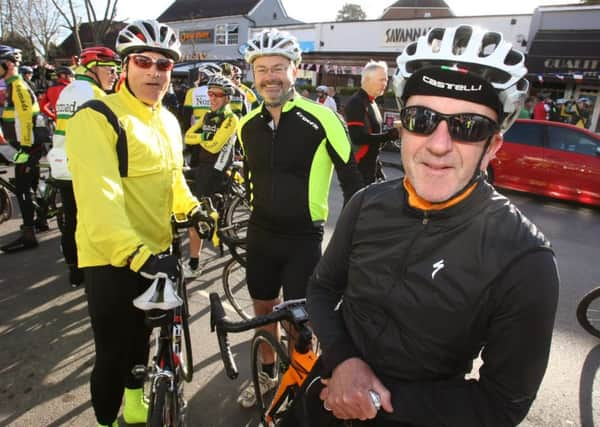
pixel 281 397
pixel 165 408
pixel 236 218
pixel 186 361
pixel 236 288
pixel 588 312
pixel 5 205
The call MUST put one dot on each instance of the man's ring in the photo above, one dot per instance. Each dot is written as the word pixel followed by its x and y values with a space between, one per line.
pixel 375 399
pixel 327 408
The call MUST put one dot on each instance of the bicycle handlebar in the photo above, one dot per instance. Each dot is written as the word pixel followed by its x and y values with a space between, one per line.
pixel 293 311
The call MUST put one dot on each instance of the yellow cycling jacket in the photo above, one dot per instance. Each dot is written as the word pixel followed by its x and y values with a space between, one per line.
pixel 119 216
pixel 18 116
pixel 214 135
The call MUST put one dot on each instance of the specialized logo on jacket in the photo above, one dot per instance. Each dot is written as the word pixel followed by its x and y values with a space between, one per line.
pixel 437 267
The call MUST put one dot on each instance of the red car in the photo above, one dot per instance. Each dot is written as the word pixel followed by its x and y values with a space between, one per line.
pixel 549 158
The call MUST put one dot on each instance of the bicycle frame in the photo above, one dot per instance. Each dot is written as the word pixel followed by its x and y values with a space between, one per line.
pixel 302 358
pixel 43 198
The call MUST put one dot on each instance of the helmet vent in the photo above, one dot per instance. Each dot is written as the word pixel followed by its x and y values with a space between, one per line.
pixel 514 57
pixel 435 38
pixel 461 39
pixel 489 44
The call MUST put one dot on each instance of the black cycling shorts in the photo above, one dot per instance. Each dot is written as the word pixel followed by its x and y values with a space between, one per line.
pixel 206 180
pixel 276 261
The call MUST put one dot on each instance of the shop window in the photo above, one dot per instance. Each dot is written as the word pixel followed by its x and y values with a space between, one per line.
pixel 226 34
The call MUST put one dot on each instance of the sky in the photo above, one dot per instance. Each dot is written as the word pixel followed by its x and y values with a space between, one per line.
pixel 326 10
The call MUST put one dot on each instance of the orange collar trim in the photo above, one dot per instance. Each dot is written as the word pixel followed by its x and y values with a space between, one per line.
pixel 417 202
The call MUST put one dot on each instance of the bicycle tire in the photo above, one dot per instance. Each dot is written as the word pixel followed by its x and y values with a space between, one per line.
pixel 187 364
pixel 237 216
pixel 166 408
pixel 588 312
pixel 6 208
pixel 263 402
pixel 156 417
pixel 236 288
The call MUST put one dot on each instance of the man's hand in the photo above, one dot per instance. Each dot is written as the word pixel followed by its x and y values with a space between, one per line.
pixel 347 395
pixel 162 265
pixel 21 157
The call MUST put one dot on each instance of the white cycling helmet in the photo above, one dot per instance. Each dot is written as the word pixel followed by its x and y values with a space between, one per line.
pixel 222 83
pixel 272 42
pixel 147 35
pixel 210 69
pixel 477 51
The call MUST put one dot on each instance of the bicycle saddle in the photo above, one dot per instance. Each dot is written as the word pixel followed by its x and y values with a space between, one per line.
pixel 160 295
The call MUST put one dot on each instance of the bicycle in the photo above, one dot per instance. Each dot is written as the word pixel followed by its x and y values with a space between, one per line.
pixel 234 277
pixel 46 198
pixel 167 311
pixel 290 369
pixel 231 205
pixel 588 312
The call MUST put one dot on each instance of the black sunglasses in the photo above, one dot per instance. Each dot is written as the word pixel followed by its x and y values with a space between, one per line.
pixel 466 127
pixel 145 62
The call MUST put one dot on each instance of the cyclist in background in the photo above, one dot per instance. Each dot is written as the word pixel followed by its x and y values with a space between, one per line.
pixel 64 77
pixel 581 112
pixel 291 146
pixel 27 74
pixel 214 136
pixel 196 102
pixel 243 99
pixel 95 75
pixel 127 180
pixel 424 273
pixel 18 119
pixel 324 98
pixel 364 121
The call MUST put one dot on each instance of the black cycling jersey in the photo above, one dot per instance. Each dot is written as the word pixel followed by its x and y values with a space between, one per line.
pixel 424 292
pixel 366 133
pixel 289 168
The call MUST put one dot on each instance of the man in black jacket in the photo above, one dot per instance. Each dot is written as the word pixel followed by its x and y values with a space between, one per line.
pixel 425 273
pixel 364 121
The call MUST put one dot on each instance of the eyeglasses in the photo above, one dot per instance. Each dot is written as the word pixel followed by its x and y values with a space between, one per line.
pixel 109 69
pixel 466 127
pixel 277 69
pixel 212 94
pixel 145 62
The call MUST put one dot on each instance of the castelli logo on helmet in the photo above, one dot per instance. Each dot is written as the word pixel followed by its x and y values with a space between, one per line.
pixel 452 86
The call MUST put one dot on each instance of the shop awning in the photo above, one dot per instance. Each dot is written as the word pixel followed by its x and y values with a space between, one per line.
pixel 565 52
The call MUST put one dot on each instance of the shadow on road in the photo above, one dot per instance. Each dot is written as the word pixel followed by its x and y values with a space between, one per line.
pixel 586 387
pixel 47 347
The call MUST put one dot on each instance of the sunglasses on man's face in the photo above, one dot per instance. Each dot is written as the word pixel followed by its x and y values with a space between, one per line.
pixel 465 127
pixel 145 62
pixel 212 94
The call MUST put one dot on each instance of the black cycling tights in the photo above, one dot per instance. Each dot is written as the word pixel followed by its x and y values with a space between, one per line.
pixel 67 238
pixel 25 177
pixel 120 335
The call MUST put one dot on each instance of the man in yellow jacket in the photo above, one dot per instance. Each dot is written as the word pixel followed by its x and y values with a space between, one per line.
pixel 214 137
pixel 18 116
pixel 127 180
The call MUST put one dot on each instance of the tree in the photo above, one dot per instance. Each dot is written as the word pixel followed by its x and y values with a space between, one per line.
pixel 38 22
pixel 99 26
pixel 351 12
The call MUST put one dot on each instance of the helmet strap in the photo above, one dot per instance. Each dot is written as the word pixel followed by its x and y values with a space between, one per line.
pixel 478 174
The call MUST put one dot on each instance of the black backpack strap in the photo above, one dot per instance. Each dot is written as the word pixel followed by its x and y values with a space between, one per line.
pixel 122 154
